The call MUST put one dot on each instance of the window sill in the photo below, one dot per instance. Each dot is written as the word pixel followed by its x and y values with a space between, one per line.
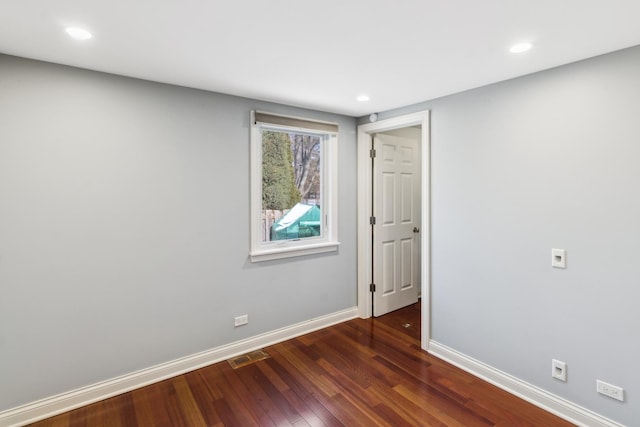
pixel 289 252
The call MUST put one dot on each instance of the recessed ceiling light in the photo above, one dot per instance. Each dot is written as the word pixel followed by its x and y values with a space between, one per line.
pixel 362 98
pixel 78 33
pixel 520 47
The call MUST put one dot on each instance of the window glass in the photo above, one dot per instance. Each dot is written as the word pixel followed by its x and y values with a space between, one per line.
pixel 291 185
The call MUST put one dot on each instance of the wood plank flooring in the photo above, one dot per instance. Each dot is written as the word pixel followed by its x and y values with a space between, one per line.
pixel 359 373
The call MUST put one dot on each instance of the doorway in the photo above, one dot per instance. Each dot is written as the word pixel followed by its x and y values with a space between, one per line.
pixel 366 134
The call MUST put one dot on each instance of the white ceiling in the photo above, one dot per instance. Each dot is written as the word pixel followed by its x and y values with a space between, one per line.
pixel 320 54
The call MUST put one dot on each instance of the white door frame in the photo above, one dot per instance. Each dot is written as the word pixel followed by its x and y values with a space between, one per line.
pixel 364 212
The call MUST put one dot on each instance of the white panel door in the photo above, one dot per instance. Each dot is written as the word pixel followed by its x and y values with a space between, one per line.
pixel 396 207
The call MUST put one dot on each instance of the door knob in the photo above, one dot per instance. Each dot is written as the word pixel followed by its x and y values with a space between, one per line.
pixel 416 230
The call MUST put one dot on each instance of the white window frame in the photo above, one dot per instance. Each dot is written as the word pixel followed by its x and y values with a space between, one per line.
pixel 328 242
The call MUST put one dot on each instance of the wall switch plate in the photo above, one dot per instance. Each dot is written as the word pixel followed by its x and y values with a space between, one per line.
pixel 559 370
pixel 558 258
pixel 609 390
pixel 241 320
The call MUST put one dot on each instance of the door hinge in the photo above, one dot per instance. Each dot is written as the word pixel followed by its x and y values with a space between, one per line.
pixel 372 153
pixel 372 287
pixel 372 220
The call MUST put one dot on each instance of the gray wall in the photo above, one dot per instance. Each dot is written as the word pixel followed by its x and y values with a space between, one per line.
pixel 551 160
pixel 124 229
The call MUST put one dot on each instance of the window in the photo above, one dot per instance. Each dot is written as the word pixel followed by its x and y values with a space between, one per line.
pixel 293 187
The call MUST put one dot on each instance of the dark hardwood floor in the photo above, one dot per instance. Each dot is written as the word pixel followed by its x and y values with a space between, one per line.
pixel 359 373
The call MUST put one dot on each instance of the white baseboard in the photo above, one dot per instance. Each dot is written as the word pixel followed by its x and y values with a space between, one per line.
pixel 64 402
pixel 535 395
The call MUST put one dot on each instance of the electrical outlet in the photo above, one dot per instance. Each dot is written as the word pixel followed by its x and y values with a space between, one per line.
pixel 558 258
pixel 559 370
pixel 241 320
pixel 612 391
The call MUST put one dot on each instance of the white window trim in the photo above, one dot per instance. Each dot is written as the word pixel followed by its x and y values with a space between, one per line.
pixel 328 242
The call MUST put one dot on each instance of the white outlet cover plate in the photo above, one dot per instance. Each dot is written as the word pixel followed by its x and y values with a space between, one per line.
pixel 559 258
pixel 559 370
pixel 241 320
pixel 610 390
